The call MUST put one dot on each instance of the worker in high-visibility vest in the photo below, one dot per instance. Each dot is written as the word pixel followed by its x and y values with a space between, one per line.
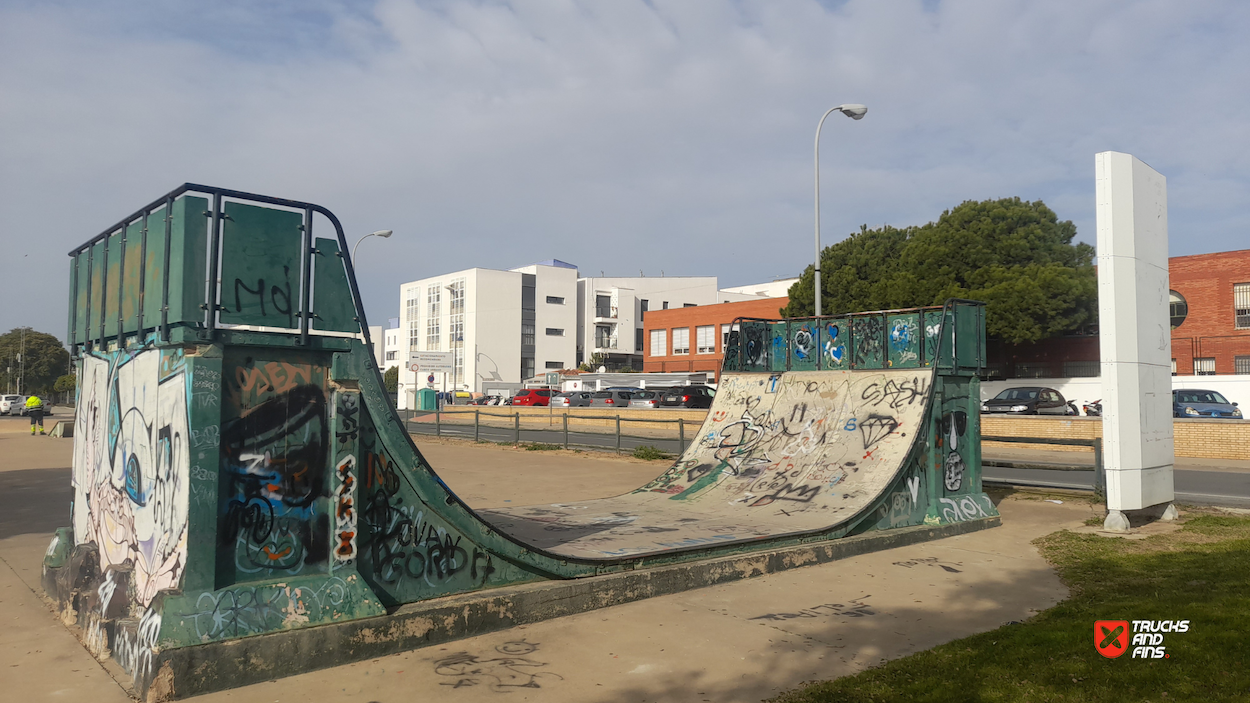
pixel 34 408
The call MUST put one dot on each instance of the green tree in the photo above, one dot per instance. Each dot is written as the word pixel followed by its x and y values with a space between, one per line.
pixel 594 362
pixel 391 379
pixel 45 360
pixel 1014 255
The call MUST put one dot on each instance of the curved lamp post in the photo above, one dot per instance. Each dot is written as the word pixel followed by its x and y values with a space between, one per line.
pixel 383 233
pixel 854 112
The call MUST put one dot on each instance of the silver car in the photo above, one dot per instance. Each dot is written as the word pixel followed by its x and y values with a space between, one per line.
pixel 649 399
pixel 12 404
pixel 610 399
pixel 571 399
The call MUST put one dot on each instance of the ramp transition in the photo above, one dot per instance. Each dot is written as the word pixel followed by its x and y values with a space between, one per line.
pixel 239 470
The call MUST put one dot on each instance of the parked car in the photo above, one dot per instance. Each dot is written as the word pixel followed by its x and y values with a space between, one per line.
pixel 1193 402
pixel 1028 400
pixel 571 399
pixel 611 399
pixel 12 404
pixel 647 398
pixel 532 397
pixel 484 400
pixel 688 397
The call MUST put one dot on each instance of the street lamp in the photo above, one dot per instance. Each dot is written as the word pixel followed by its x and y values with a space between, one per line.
pixel 383 233
pixel 855 112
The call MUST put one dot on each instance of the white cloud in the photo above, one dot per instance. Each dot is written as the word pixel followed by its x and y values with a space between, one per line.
pixel 616 135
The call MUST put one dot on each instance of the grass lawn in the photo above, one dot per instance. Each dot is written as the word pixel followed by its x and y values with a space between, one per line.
pixel 1200 573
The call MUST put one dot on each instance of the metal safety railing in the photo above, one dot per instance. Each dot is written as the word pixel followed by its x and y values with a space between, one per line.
pixel 562 434
pixel 1100 476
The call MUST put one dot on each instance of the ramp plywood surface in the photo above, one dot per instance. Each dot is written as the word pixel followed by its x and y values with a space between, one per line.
pixel 778 454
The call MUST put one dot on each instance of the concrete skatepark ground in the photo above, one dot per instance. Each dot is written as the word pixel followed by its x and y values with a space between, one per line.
pixel 742 641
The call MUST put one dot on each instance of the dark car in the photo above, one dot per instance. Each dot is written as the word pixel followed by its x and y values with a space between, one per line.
pixel 1028 400
pixel 532 397
pixel 688 397
pixel 1194 402
pixel 611 398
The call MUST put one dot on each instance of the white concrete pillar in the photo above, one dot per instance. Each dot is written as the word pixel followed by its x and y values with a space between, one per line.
pixel 1135 338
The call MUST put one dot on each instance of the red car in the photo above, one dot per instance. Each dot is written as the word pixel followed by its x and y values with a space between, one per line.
pixel 534 397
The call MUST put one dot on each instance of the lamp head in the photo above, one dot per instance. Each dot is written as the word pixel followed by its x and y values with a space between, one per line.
pixel 384 233
pixel 853 111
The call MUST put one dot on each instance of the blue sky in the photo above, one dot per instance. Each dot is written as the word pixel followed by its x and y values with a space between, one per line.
pixel 620 136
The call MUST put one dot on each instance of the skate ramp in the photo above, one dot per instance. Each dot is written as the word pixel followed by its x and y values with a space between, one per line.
pixel 240 469
pixel 779 454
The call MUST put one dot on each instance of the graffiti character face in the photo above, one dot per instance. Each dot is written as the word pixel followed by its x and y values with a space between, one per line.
pixel 132 466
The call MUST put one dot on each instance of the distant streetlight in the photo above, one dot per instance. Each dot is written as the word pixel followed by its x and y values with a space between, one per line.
pixel 855 112
pixel 383 233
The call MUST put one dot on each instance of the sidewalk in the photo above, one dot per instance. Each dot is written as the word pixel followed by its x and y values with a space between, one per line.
pixel 737 642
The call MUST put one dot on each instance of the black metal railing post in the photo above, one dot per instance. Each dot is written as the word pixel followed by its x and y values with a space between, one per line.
pixel 618 434
pixel 214 249
pixel 143 269
pixel 477 424
pixel 566 430
pixel 681 434
pixel 516 427
pixel 1100 472
pixel 169 224
pixel 306 292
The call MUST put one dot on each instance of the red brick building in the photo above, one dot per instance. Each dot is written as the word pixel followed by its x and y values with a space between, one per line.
pixel 693 339
pixel 1210 308
pixel 1210 313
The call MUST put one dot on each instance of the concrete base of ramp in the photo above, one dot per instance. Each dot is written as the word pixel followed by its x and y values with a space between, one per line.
pixel 190 671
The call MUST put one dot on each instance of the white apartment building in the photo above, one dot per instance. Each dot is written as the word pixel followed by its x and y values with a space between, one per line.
pixel 392 355
pixel 774 289
pixel 610 312
pixel 501 326
pixel 505 327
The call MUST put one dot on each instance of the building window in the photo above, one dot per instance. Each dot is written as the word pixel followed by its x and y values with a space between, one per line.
pixel 1026 369
pixel 555 332
pixel 1241 364
pixel 639 338
pixel 527 335
pixel 1241 306
pixel 1081 369
pixel 555 300
pixel 390 356
pixel 689 305
pixel 527 368
pixel 681 340
pixel 557 365
pixel 603 306
pixel 705 339
pixel 603 337
pixel 1173 367
pixel 659 343
pixel 724 334
pixel 1178 309
pixel 645 305
pixel 665 304
pixel 1204 366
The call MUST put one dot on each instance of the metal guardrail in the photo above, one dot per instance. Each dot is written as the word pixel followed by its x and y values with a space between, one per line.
pixel 1100 476
pixel 516 426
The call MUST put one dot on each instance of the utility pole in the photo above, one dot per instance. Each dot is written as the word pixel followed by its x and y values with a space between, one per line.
pixel 21 359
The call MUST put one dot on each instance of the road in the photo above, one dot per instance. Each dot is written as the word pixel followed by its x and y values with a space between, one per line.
pixel 1194 486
